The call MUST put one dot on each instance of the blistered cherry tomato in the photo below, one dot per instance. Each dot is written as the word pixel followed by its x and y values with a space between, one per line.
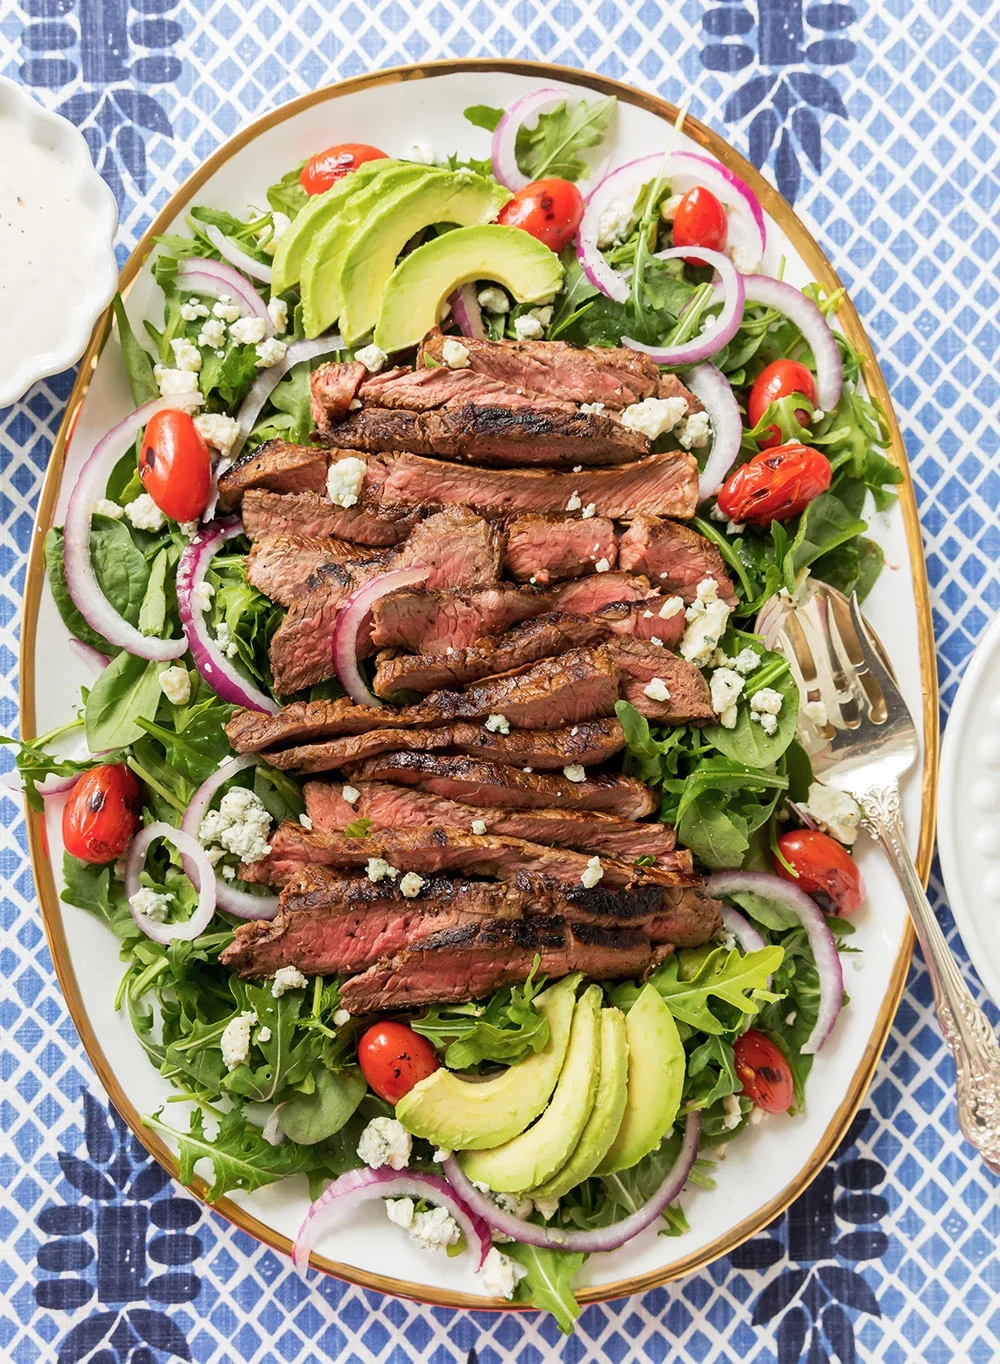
pixel 775 485
pixel 102 813
pixel 393 1058
pixel 764 1072
pixel 825 869
pixel 175 466
pixel 700 220
pixel 779 380
pixel 326 168
pixel 550 210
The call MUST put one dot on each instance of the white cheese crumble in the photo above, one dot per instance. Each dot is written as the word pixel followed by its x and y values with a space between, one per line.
pixel 247 331
pixel 497 724
pixel 288 978
pixel 280 223
pixel 263 1036
pixel 422 152
pixel 235 1040
pixel 669 207
pixel 815 712
pixel 835 811
pixel 589 510
pixel 670 608
pixel 707 618
pixel 175 683
pixel 192 310
pixel 527 328
pixel 655 639
pixel 240 825
pixel 731 1105
pixel 615 223
pixel 548 1207
pixel 657 690
pixel 213 333
pixel 186 356
pixel 726 685
pixel 341 1017
pixel 201 596
pixel 818 414
pixel 400 1211
pixel 575 772
pixel 696 432
pixel 592 873
pixel 500 1274
pixel 435 1229
pixel 542 315
pixel 174 382
pixel 411 885
pixel 144 514
pixel 372 357
pixel 152 903
pixel 225 640
pixel 765 707
pixel 454 354
pixel 654 416
pixel 745 258
pixel 277 311
pixel 575 502
pixel 479 827
pixel 385 1142
pixel 226 309
pixel 105 507
pixel 603 565
pixel 379 869
pixel 745 662
pixel 344 481
pixel 306 822
pixel 494 300
pixel 270 352
pixel 351 794
pixel 593 409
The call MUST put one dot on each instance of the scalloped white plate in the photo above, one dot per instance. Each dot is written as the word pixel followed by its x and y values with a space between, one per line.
pixel 90 217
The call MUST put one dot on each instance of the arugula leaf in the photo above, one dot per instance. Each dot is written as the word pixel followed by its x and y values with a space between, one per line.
pixel 122 573
pixel 138 362
pixel 548 1282
pixel 127 691
pixel 825 524
pixel 358 828
pixel 483 116
pixel 309 1118
pixel 288 1053
pixel 96 890
pixel 711 1074
pixel 287 195
pixel 553 146
pixel 504 1029
pixel 728 975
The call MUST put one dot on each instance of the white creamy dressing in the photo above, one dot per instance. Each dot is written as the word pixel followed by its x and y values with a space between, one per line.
pixel 41 217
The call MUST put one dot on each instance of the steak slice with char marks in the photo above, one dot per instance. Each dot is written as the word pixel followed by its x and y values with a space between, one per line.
pixel 616 377
pixel 283 567
pixel 400 807
pixel 277 466
pixel 540 637
pixel 332 389
pixel 641 663
pixel 311 514
pixel 642 620
pixel 661 485
pixel 542 549
pixel 425 390
pixel 522 435
pixel 675 558
pixel 492 785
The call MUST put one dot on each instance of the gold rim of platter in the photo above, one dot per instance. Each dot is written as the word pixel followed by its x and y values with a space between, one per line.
pixel 823 272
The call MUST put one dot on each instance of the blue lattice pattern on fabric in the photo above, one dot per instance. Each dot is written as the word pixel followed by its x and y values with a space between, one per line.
pixel 881 119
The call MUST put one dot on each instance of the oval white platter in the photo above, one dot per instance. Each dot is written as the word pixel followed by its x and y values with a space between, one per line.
pixel 770 1163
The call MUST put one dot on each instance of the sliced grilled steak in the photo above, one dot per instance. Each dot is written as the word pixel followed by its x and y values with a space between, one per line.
pixel 471 961
pixel 332 388
pixel 400 807
pixel 643 620
pixel 542 637
pixel 312 514
pixel 492 785
pixel 662 485
pixel 434 622
pixel 686 916
pixel 542 549
pixel 642 663
pixel 277 466
pixel 675 558
pixel 583 374
pixel 283 567
pixel 524 435
pixel 424 390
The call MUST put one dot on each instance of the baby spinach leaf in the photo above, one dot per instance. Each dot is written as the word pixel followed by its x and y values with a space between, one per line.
pixel 748 742
pixel 825 524
pixel 128 690
pixel 483 116
pixel 56 572
pixel 553 146
pixel 153 612
pixel 309 1118
pixel 138 362
pixel 287 195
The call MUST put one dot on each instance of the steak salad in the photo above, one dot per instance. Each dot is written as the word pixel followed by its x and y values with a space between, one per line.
pixel 458 830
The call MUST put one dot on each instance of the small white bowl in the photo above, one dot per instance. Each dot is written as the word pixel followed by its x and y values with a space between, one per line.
pixel 71 331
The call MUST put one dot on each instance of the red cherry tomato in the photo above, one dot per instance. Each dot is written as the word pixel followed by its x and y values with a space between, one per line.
pixel 779 380
pixel 393 1058
pixel 775 485
pixel 326 168
pixel 765 1073
pixel 825 869
pixel 700 220
pixel 550 210
pixel 102 813
pixel 175 466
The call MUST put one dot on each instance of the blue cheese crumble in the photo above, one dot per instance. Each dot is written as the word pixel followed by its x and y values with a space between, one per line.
pixel 385 1142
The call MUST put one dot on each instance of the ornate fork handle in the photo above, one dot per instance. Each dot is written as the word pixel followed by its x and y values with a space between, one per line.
pixel 965 1027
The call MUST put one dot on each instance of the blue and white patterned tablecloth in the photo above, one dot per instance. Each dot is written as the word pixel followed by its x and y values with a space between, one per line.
pixel 882 121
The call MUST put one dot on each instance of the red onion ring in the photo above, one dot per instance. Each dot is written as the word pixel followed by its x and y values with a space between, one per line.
pixel 687 169
pixel 785 298
pixel 633 175
pixel 215 278
pixel 91 656
pixel 713 388
pixel 603 1238
pixel 723 329
pixel 465 309
pixel 233 901
pixel 361 1186
pixel 212 505
pixel 51 785
pixel 217 670
pixel 733 922
pixel 235 255
pixel 821 940
pixel 263 385
pixel 503 149
pixel 350 620
pixel 203 881
pixel 81 580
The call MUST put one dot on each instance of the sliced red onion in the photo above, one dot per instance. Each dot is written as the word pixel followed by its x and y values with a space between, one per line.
pixel 271 1131
pixel 821 940
pixel 91 656
pixel 361 1186
pixel 741 929
pixel 233 901
pixel 713 388
pixel 201 875
pixel 218 280
pixel 81 580
pixel 264 384
pixel 746 217
pixel 350 621
pixel 212 505
pixel 235 255
pixel 465 309
pixel 52 785
pixel 503 150
pixel 785 298
pixel 603 1238
pixel 624 182
pixel 722 330
pixel 217 670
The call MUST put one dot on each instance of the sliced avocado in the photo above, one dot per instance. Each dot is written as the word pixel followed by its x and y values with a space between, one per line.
pixel 606 1115
pixel 323 262
pixel 461 1115
pixel 417 288
pixel 452 197
pixel 312 217
pixel 655 1082
pixel 536 1154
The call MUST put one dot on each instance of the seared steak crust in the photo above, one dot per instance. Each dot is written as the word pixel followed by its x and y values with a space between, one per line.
pixel 543 549
pixel 277 466
pixel 311 514
pixel 283 567
pixel 675 558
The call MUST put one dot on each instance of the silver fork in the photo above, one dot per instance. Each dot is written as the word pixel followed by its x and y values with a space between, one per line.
pixel 867 743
